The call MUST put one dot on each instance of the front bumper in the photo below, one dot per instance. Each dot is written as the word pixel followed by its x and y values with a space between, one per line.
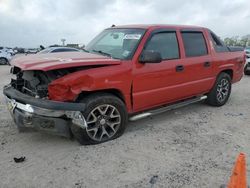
pixel 43 115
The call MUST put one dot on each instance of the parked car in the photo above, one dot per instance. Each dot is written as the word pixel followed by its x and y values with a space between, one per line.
pixel 9 50
pixel 30 50
pixel 58 49
pixel 127 72
pixel 5 55
pixel 247 66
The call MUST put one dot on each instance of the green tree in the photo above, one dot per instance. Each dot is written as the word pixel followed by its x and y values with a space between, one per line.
pixel 238 41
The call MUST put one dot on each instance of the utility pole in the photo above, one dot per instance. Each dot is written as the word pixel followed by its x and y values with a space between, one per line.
pixel 63 42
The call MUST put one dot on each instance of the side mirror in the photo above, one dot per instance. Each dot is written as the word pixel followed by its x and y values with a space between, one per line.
pixel 148 56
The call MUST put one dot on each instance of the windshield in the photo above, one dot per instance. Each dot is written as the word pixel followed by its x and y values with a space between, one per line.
pixel 116 43
pixel 248 48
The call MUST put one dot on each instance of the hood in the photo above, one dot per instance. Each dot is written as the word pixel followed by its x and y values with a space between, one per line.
pixel 53 61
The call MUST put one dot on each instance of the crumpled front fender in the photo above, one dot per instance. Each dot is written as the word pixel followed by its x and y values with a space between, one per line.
pixel 63 90
pixel 115 77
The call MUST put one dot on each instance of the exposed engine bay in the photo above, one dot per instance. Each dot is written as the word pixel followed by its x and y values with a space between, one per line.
pixel 35 82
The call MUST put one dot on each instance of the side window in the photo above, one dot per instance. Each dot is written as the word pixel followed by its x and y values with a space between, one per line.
pixel 164 43
pixel 218 44
pixel 194 44
pixel 71 50
pixel 57 50
pixel 63 50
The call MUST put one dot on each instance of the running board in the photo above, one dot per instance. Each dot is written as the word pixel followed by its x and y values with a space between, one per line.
pixel 167 108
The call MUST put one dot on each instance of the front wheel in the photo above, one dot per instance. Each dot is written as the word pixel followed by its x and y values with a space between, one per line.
pixel 106 119
pixel 221 91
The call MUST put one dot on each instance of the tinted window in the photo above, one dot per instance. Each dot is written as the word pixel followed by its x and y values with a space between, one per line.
pixel 218 44
pixel 71 50
pixel 57 50
pixel 194 44
pixel 63 50
pixel 164 43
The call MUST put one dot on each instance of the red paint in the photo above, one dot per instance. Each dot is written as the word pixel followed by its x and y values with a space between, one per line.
pixel 148 85
pixel 52 61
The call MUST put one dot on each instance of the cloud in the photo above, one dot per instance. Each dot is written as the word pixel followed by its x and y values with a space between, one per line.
pixel 31 23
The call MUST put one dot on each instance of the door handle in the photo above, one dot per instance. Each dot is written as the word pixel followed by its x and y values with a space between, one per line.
pixel 207 64
pixel 179 68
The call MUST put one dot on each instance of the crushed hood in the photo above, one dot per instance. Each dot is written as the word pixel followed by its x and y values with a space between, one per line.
pixel 52 61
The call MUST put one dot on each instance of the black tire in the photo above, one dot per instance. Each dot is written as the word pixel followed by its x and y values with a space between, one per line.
pixel 246 72
pixel 99 100
pixel 3 61
pixel 216 96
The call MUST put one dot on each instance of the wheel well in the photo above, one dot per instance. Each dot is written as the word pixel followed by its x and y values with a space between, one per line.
pixel 4 58
pixel 115 92
pixel 229 72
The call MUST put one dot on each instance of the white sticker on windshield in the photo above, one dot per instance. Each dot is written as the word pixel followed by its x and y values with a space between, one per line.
pixel 132 36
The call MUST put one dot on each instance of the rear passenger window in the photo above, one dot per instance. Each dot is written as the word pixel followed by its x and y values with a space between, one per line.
pixel 57 50
pixel 219 46
pixel 63 50
pixel 71 50
pixel 164 43
pixel 194 44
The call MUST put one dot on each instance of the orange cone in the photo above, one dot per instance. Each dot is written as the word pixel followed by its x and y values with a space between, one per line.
pixel 238 178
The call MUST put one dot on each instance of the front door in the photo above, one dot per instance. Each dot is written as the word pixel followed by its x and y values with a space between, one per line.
pixel 159 83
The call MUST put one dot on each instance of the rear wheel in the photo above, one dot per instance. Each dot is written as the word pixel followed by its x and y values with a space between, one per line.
pixel 221 91
pixel 3 61
pixel 106 119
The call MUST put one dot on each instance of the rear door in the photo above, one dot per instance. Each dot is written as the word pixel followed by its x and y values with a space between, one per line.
pixel 198 63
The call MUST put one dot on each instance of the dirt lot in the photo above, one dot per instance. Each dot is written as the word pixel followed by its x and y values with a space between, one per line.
pixel 194 146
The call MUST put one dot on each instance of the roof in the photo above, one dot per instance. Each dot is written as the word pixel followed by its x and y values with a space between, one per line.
pixel 149 26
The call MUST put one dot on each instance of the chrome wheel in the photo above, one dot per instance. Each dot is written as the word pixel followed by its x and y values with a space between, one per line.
pixel 223 90
pixel 103 122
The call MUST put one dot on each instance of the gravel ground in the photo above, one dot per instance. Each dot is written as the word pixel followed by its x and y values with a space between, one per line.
pixel 194 146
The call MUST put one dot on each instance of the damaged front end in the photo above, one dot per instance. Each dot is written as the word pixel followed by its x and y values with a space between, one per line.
pixel 35 82
pixel 28 102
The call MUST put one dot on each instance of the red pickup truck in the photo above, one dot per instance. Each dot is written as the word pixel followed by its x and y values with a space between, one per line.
pixel 126 72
